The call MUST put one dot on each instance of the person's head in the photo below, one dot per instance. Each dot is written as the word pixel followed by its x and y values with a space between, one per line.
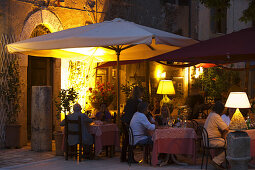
pixel 218 108
pixel 142 107
pixel 77 107
pixel 103 107
pixel 137 92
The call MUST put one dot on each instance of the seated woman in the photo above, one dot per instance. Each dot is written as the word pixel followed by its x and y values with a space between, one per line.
pixel 162 120
pixel 164 116
pixel 103 114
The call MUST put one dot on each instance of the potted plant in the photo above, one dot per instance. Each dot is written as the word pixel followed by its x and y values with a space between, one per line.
pixel 11 93
pixel 63 103
pixel 102 93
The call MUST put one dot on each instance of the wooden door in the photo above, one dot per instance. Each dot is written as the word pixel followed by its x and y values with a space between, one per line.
pixel 40 73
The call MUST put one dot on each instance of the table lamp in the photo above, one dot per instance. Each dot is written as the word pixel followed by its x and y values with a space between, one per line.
pixel 165 87
pixel 237 100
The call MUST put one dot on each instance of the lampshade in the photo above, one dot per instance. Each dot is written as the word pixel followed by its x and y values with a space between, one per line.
pixel 166 87
pixel 238 100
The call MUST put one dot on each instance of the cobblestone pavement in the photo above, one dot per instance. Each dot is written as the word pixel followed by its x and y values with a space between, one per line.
pixel 11 157
pixel 24 158
pixel 58 163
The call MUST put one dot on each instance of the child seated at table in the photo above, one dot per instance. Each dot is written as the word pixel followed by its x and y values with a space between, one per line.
pixel 103 114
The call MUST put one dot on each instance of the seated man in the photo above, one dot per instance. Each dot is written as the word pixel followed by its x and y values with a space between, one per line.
pixel 140 124
pixel 103 114
pixel 217 130
pixel 87 139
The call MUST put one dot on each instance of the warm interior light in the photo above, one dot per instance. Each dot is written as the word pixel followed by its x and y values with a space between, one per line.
pixel 163 75
pixel 98 53
pixel 197 73
pixel 80 75
pixel 165 87
pixel 237 100
pixel 237 122
pixel 201 70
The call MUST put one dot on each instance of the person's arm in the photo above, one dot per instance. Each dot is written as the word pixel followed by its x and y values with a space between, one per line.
pixel 87 119
pixel 224 133
pixel 222 126
pixel 146 123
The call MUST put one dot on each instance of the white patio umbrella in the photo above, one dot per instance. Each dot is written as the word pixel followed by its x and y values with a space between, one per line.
pixel 105 41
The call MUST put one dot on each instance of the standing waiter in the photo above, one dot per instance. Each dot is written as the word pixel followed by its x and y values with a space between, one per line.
pixel 129 110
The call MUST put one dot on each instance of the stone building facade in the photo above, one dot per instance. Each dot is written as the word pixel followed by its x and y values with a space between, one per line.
pixel 29 18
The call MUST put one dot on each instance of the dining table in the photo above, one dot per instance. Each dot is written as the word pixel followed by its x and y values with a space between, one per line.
pixel 173 141
pixel 105 135
pixel 251 133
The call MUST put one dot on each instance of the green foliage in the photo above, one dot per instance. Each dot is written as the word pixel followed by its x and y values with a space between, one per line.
pixel 249 13
pixel 128 87
pixel 64 101
pixel 220 5
pixel 216 81
pixel 11 91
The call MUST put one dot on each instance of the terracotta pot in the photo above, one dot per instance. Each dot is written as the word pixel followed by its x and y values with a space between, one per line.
pixel 58 142
pixel 12 136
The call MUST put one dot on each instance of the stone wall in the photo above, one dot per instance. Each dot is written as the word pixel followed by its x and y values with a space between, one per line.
pixel 21 17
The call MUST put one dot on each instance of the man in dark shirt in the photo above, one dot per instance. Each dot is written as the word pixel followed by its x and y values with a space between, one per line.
pixel 129 110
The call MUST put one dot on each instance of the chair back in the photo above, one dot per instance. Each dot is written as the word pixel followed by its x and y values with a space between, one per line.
pixel 195 125
pixel 205 137
pixel 131 136
pixel 76 132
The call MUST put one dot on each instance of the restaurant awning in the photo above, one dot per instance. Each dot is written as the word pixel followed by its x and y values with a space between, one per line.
pixel 230 48
pixel 107 41
pixel 90 40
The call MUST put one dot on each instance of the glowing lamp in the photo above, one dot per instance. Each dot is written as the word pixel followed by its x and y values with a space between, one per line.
pixel 237 100
pixel 165 87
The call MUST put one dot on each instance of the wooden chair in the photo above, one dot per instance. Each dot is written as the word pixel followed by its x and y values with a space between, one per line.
pixel 131 147
pixel 75 152
pixel 207 148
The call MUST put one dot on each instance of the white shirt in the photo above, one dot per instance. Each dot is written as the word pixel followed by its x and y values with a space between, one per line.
pixel 226 119
pixel 214 124
pixel 139 124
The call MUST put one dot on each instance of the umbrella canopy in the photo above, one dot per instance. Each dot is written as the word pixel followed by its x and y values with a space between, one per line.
pixel 86 41
pixel 235 47
pixel 104 41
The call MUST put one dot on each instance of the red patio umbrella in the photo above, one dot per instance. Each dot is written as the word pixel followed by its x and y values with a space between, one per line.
pixel 234 47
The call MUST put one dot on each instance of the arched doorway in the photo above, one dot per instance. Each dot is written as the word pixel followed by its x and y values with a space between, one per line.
pixel 39 73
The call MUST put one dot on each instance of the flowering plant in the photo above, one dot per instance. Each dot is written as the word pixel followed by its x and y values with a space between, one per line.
pixel 102 93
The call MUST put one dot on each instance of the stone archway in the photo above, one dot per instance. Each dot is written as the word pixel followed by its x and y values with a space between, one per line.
pixel 50 21
pixel 44 17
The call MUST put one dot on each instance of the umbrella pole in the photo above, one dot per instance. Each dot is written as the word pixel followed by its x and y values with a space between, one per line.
pixel 118 50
